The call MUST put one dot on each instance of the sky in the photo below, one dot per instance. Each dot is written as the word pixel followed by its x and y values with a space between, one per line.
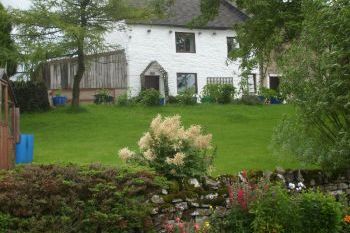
pixel 22 4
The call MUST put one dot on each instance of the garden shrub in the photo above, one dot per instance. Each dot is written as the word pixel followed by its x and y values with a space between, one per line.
pixel 75 199
pixel 276 211
pixel 219 93
pixel 251 100
pixel 150 97
pixel 187 97
pixel 123 100
pixel 172 100
pixel 103 96
pixel 31 96
pixel 172 150
pixel 320 213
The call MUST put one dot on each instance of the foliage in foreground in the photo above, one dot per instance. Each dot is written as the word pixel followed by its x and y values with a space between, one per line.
pixel 263 207
pixel 172 150
pixel 74 199
pixel 317 80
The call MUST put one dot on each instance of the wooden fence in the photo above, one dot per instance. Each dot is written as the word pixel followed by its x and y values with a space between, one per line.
pixel 104 70
pixel 9 125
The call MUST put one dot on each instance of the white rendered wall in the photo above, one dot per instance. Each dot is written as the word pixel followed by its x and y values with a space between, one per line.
pixel 147 43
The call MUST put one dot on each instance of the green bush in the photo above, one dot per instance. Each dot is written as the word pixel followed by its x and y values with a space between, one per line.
pixel 219 93
pixel 276 211
pixel 319 213
pixel 172 100
pixel 69 199
pixel 251 100
pixel 187 97
pixel 31 96
pixel 123 100
pixel 150 97
pixel 236 221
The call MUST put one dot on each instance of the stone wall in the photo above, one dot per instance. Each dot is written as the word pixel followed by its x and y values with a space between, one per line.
pixel 196 200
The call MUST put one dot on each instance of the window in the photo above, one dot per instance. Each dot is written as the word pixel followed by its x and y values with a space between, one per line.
pixel 252 87
pixel 185 42
pixel 186 81
pixel 231 44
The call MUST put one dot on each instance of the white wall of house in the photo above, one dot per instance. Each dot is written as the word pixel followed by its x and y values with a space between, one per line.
pixel 146 43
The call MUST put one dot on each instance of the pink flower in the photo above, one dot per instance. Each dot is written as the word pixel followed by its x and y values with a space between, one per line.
pixel 177 219
pixel 169 228
pixel 230 193
pixel 197 227
pixel 241 199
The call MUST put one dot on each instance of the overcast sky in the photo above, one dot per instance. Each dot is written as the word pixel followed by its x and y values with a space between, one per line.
pixel 23 4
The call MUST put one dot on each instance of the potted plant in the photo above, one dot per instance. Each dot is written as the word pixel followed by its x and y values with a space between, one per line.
pixel 103 96
pixel 58 99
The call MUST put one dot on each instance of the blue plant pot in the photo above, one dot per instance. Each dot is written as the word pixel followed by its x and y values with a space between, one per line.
pixel 59 100
pixel 162 101
pixel 275 101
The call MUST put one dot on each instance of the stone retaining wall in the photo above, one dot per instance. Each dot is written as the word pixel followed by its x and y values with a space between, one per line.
pixel 196 200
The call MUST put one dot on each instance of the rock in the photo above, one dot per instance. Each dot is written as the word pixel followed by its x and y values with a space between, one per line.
pixel 348 191
pixel 194 182
pixel 204 212
pixel 205 205
pixel 177 200
pixel 195 213
pixel 182 206
pixel 194 204
pixel 280 170
pixel 164 192
pixel 343 186
pixel 211 196
pixel 281 177
pixel 155 211
pixel 212 183
pixel 169 210
pixel 221 211
pixel 201 219
pixel 312 182
pixel 157 199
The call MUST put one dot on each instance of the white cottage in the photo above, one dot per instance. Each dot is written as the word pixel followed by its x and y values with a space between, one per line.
pixel 169 56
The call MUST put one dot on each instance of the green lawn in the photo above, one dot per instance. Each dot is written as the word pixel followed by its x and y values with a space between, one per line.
pixel 241 133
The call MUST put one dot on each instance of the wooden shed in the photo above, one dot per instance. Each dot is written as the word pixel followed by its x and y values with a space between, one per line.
pixel 9 123
pixel 103 71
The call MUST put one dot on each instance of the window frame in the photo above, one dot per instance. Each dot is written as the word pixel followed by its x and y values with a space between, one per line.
pixel 194 41
pixel 177 80
pixel 234 42
pixel 255 83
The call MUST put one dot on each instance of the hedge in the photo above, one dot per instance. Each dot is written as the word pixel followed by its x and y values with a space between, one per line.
pixel 69 198
pixel 31 96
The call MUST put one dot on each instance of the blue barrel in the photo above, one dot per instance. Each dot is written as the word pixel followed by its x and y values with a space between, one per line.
pixel 25 149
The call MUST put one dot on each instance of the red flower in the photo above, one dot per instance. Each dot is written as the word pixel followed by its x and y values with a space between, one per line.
pixel 230 193
pixel 241 199
pixel 197 227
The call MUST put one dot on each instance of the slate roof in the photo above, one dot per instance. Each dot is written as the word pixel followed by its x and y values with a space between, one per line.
pixel 183 11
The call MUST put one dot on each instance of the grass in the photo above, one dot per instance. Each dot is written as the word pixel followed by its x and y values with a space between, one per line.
pixel 241 133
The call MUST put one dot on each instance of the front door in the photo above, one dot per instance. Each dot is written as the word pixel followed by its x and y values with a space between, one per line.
pixel 152 82
pixel 274 82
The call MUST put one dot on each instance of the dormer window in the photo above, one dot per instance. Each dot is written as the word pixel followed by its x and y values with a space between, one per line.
pixel 185 42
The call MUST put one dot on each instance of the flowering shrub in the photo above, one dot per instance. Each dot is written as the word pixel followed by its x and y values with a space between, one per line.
pixel 187 227
pixel 172 150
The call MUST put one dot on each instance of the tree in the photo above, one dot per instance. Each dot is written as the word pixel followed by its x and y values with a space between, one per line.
pixel 271 25
pixel 7 46
pixel 53 28
pixel 316 70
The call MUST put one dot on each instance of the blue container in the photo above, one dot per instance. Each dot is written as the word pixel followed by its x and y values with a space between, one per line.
pixel 275 101
pixel 59 100
pixel 162 101
pixel 25 149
